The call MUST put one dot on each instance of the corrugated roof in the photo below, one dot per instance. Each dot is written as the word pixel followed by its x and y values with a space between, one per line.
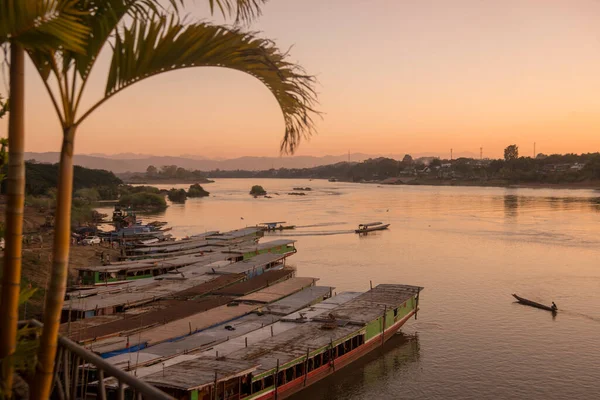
pixel 278 291
pixel 173 246
pixel 257 262
pixel 195 374
pixel 298 300
pixel 372 304
pixel 171 310
pixel 261 281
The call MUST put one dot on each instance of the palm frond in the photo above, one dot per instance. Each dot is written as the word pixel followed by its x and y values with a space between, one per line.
pixel 43 24
pixel 148 48
pixel 103 19
pixel 242 10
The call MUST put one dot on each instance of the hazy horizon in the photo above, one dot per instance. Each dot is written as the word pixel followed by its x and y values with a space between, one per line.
pixel 396 77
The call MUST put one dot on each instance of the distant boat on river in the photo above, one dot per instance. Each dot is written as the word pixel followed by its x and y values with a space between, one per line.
pixel 527 302
pixel 371 226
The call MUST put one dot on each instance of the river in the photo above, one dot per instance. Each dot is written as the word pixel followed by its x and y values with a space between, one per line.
pixel 471 248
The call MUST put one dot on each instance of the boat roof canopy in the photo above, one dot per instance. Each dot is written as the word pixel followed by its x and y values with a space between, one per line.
pixel 272 223
pixel 371 224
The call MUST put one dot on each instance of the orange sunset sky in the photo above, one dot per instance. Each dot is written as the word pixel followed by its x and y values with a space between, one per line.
pixel 398 76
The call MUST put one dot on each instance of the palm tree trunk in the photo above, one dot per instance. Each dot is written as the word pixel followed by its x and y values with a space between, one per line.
pixel 11 271
pixel 60 271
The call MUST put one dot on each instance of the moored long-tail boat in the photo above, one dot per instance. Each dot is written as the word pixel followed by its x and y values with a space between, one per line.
pixel 527 302
pixel 286 363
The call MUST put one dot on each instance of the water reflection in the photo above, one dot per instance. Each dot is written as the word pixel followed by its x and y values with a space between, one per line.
pixel 375 369
pixel 511 206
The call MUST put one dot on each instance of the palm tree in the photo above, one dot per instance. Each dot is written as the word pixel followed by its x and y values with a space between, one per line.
pixel 24 25
pixel 142 48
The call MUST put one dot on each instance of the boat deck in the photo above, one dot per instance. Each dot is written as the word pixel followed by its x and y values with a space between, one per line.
pixel 248 329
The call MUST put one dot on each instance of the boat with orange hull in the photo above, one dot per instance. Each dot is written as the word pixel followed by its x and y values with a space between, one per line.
pixel 324 371
pixel 283 364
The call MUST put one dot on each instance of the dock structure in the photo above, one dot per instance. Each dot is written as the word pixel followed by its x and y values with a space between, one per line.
pixel 286 362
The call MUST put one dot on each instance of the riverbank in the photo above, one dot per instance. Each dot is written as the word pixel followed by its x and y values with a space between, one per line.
pixel 595 185
pixel 37 256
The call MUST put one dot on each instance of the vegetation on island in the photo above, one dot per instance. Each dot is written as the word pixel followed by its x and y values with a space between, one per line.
pixel 196 190
pixel 258 190
pixel 129 189
pixel 143 201
pixel 177 195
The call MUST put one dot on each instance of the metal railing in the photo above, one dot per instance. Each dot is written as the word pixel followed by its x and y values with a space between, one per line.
pixel 80 374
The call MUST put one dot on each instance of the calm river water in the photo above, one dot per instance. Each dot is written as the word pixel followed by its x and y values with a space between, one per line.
pixel 470 248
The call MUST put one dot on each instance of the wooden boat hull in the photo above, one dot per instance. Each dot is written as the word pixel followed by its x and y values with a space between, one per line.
pixel 373 228
pixel 316 375
pixel 533 303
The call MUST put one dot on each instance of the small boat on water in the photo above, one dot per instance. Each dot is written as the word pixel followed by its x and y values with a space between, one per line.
pixel 275 226
pixel 371 226
pixel 522 300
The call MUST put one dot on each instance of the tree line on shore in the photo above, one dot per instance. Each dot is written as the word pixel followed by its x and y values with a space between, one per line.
pixel 555 168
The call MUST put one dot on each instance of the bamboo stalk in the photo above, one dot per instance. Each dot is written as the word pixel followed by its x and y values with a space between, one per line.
pixel 60 269
pixel 11 272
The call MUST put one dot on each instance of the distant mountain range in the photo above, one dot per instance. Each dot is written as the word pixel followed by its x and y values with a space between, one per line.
pixel 132 162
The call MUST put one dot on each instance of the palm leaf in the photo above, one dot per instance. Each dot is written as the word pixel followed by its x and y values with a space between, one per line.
pixel 148 48
pixel 43 24
pixel 243 10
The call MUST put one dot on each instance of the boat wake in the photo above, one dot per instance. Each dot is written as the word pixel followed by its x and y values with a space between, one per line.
pixel 318 233
pixel 320 225
pixel 578 314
